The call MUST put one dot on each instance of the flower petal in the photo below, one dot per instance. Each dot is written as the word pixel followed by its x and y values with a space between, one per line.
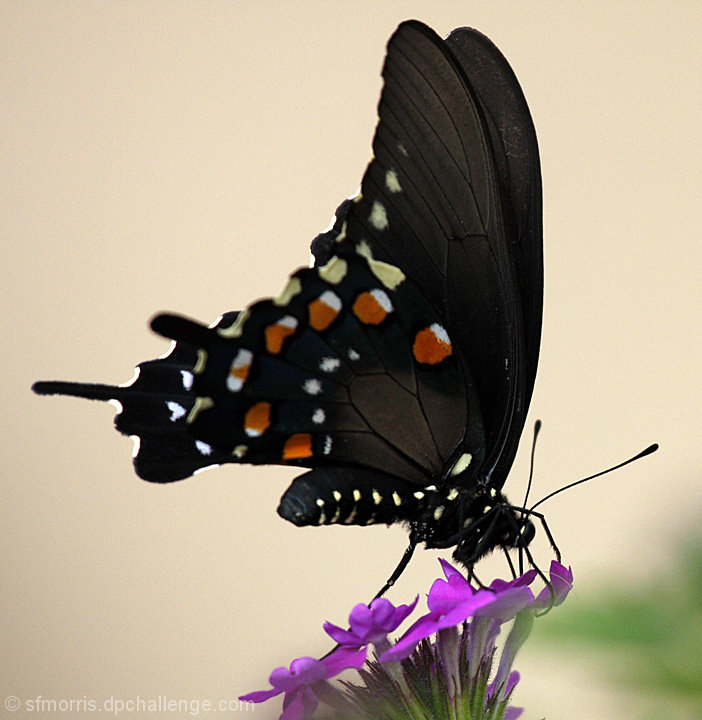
pixel 561 582
pixel 342 659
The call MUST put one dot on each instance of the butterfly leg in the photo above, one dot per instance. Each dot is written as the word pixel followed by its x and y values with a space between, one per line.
pixel 406 557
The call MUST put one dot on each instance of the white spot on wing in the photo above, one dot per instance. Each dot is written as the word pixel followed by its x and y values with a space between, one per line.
pixel 187 379
pixel 382 299
pixel 440 332
pixel 176 409
pixel 203 448
pixel 117 405
pixel 318 416
pixel 353 355
pixel 312 386
pixel 331 299
pixel 329 364
pixel 327 445
pixel 137 371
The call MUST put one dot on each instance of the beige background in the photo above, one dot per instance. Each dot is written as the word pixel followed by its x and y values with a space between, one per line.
pixel 181 156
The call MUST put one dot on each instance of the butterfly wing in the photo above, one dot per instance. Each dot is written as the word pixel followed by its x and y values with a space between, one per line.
pixel 453 196
pixel 153 408
pixel 413 366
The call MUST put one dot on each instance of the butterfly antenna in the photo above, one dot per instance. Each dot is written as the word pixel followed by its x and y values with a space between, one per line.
pixel 650 449
pixel 537 428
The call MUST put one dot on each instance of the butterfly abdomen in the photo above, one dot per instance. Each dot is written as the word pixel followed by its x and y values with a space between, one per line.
pixel 349 496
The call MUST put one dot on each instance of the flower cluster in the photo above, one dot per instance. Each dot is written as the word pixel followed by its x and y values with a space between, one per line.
pixel 446 677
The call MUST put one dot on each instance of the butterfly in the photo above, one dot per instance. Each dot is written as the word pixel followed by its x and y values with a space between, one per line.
pixel 399 368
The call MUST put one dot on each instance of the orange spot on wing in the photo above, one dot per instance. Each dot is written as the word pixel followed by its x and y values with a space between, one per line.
pixel 430 349
pixel 258 419
pixel 298 446
pixel 368 310
pixel 321 314
pixel 241 372
pixel 275 336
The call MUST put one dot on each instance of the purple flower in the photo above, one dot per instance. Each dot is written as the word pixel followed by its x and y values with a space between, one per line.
pixel 370 624
pixel 304 681
pixel 562 584
pixel 454 600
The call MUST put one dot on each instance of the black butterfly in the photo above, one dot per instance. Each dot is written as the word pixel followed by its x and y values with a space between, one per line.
pixel 400 367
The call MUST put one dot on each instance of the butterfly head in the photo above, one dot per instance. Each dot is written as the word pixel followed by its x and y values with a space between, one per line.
pixel 484 520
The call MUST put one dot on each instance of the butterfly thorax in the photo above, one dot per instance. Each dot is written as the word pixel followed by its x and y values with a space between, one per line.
pixel 476 521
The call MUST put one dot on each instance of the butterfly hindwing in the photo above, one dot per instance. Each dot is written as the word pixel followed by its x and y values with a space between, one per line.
pixel 381 389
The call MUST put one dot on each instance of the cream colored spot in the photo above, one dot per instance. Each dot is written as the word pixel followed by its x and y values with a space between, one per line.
pixel 396 499
pixel 337 495
pixel 438 512
pixel 201 403
pixel 322 516
pixel 364 250
pixel 390 275
pixel 201 361
pixel 461 464
pixel 334 271
pixel 452 494
pixel 378 217
pixel 391 182
pixel 419 495
pixel 356 495
pixel 240 450
pixel 292 287
pixel 377 497
pixel 236 328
